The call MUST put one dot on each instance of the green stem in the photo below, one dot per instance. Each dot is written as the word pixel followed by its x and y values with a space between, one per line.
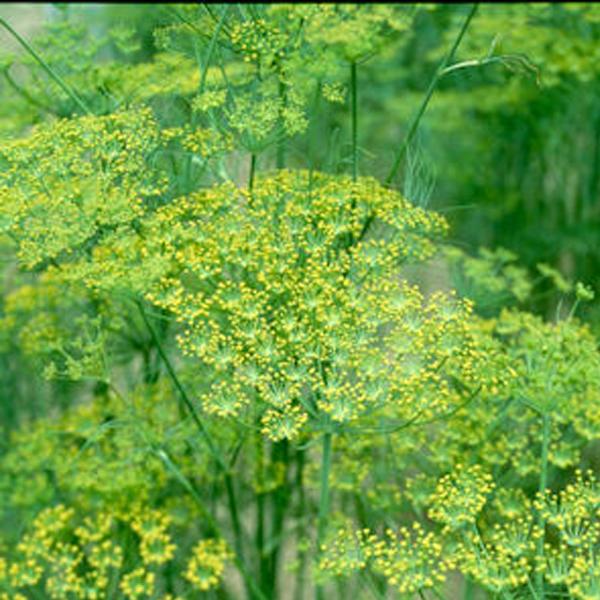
pixel 468 590
pixel 438 74
pixel 183 394
pixel 229 488
pixel 51 73
pixel 23 92
pixel 189 487
pixel 438 594
pixel 211 48
pixel 546 430
pixel 279 505
pixel 572 311
pixel 299 486
pixel 315 129
pixel 280 158
pixel 354 90
pixel 260 517
pixel 260 540
pixel 252 171
pixel 324 499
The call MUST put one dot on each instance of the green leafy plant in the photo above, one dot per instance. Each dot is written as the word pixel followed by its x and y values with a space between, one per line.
pixel 230 370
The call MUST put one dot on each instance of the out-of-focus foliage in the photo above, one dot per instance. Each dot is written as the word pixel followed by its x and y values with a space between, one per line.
pixel 234 363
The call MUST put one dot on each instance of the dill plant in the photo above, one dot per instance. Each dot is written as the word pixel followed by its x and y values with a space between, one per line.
pixel 248 395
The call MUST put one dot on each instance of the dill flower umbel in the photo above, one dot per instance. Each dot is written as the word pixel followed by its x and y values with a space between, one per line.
pixel 207 564
pixel 459 497
pixel 139 583
pixel 288 310
pixel 410 559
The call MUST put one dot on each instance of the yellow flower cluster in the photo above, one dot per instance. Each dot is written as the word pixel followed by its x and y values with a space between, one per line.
pixel 206 142
pixel 496 569
pixel 139 583
pixel 460 496
pixel 353 31
pixel 258 40
pixel 526 367
pixel 553 363
pixel 207 564
pixel 410 559
pixel 573 517
pixel 291 294
pixel 70 180
pixel 156 546
pixel 74 558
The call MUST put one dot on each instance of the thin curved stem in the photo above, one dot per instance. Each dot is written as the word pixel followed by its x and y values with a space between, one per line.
pixel 432 85
pixel 183 394
pixel 211 48
pixel 46 67
pixel 23 92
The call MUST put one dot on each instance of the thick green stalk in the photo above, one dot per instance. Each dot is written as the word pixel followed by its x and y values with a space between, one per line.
pixel 46 67
pixel 299 486
pixel 354 94
pixel 252 171
pixel 280 157
pixel 546 431
pixel 279 505
pixel 432 85
pixel 260 517
pixel 324 499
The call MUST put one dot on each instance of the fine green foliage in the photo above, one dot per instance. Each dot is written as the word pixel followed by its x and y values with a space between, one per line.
pixel 240 355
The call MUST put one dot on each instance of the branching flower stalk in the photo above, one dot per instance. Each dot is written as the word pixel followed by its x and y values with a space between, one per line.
pixel 254 590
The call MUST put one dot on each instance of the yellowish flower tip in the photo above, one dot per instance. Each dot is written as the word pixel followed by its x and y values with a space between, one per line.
pixel 584 292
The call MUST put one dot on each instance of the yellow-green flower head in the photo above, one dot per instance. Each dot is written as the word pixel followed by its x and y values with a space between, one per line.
pixel 460 496
pixel 72 179
pixel 139 583
pixel 354 31
pixel 410 559
pixel 207 564
pixel 290 293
